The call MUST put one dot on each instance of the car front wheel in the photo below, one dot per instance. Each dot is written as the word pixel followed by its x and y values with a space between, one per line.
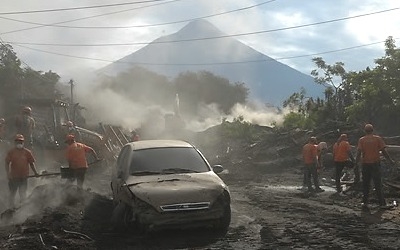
pixel 121 216
pixel 224 222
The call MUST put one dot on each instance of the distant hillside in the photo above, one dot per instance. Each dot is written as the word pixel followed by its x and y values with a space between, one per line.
pixel 268 80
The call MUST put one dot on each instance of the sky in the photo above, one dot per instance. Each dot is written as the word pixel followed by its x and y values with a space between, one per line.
pixel 76 38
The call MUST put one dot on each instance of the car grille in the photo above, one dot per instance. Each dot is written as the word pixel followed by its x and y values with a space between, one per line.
pixel 186 207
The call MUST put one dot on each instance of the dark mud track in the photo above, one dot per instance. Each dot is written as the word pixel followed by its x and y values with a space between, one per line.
pixel 268 212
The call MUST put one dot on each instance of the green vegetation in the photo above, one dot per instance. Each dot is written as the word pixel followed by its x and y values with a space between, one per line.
pixel 18 83
pixel 351 98
pixel 368 96
pixel 237 129
pixel 194 88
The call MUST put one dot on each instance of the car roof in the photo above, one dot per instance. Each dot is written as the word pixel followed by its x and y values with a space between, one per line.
pixel 146 144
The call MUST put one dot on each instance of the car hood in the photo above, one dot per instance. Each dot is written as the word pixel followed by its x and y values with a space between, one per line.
pixel 158 190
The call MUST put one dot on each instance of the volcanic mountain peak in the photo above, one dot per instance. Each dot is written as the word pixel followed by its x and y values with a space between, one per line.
pixel 200 46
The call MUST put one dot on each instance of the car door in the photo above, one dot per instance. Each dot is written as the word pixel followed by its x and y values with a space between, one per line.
pixel 118 181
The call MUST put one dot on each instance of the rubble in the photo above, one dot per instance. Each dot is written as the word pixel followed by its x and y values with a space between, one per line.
pixel 269 211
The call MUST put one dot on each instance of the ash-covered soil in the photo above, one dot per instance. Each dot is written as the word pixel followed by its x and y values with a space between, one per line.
pixel 268 212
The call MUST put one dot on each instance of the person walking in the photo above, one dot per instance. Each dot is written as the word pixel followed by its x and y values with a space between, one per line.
pixel 341 156
pixel 25 125
pixel 368 152
pixel 76 157
pixel 310 159
pixel 17 163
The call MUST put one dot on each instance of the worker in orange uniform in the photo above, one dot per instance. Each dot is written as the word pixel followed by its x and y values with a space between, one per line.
pixel 17 163
pixel 368 152
pixel 76 157
pixel 310 158
pixel 25 124
pixel 341 156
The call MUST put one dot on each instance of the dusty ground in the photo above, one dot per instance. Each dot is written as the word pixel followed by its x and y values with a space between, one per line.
pixel 268 212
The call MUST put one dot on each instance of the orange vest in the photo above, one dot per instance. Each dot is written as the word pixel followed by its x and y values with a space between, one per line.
pixel 310 153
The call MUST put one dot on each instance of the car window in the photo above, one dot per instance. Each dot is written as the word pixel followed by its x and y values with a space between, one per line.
pixel 167 160
pixel 123 159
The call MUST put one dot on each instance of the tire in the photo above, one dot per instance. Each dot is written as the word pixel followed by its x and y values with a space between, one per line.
pixel 98 209
pixel 121 216
pixel 224 222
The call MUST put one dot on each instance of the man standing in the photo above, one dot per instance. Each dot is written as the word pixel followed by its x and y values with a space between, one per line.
pixel 25 124
pixel 17 163
pixel 368 151
pixel 341 155
pixel 310 158
pixel 322 147
pixel 76 157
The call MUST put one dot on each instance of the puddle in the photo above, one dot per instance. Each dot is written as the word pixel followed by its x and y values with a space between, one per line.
pixel 285 188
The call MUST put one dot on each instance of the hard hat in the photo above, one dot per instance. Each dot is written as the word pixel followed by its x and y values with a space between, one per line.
pixel 70 137
pixel 368 128
pixel 322 145
pixel 70 124
pixel 19 137
pixel 313 139
pixel 343 137
pixel 2 120
pixel 27 110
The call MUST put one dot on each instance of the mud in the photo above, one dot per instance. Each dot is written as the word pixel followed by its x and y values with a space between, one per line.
pixel 268 212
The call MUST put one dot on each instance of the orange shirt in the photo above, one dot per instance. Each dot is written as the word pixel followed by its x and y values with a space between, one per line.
pixel 370 146
pixel 310 153
pixel 76 155
pixel 341 151
pixel 19 161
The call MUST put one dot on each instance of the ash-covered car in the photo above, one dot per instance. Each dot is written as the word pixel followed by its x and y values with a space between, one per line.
pixel 168 184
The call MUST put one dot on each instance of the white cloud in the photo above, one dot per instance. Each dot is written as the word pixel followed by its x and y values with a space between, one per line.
pixel 273 15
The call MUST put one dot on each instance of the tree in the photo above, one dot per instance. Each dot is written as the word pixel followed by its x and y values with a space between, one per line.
pixel 142 86
pixel 333 77
pixel 206 88
pixel 10 72
pixel 377 91
pixel 18 83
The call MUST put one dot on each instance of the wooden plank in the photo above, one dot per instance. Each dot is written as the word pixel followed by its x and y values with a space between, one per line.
pixel 393 185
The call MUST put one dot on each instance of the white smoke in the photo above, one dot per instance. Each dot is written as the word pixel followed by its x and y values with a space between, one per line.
pixel 109 107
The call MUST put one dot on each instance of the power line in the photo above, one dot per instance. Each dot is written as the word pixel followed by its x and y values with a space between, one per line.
pixel 209 38
pixel 78 8
pixel 85 18
pixel 139 26
pixel 39 76
pixel 205 64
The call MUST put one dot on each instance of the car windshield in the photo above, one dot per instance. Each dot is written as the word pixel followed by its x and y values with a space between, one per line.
pixel 167 161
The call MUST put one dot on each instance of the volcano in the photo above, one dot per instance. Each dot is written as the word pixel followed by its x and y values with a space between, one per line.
pixel 200 46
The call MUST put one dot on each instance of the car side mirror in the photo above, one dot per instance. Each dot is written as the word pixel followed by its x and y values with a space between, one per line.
pixel 217 169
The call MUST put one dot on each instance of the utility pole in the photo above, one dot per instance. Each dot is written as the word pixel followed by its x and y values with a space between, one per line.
pixel 71 82
pixel 72 106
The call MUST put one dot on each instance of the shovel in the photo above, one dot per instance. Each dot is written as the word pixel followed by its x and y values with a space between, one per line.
pixel 43 174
